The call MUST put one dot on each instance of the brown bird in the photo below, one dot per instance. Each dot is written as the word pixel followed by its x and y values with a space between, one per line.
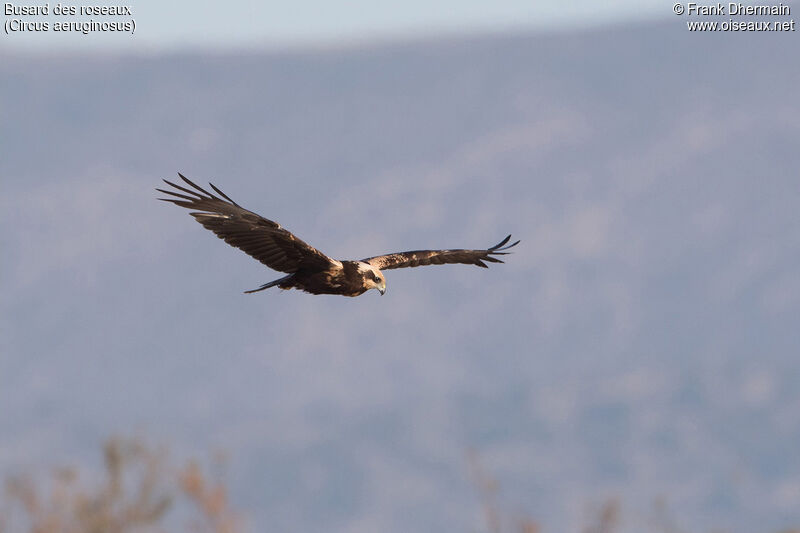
pixel 307 268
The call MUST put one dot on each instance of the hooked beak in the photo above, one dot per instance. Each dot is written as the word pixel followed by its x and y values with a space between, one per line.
pixel 382 290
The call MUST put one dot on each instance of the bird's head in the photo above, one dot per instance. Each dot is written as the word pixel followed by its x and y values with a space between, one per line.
pixel 373 278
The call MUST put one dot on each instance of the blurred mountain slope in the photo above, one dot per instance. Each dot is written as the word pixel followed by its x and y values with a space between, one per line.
pixel 641 342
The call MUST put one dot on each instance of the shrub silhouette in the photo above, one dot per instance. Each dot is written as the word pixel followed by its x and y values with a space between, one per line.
pixel 135 493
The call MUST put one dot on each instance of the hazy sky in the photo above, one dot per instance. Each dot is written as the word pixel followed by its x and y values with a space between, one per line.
pixel 244 23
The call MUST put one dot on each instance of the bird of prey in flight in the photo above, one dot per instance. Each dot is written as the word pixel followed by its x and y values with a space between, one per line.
pixel 307 268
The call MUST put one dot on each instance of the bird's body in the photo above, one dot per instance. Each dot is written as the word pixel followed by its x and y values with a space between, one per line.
pixel 307 268
pixel 346 280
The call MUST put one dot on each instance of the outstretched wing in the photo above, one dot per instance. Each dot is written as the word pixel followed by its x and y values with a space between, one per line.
pixel 441 257
pixel 258 237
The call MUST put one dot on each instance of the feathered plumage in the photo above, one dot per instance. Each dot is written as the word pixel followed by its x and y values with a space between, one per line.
pixel 308 269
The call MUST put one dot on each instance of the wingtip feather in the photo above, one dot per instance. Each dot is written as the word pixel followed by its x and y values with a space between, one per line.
pixel 222 193
pixel 502 245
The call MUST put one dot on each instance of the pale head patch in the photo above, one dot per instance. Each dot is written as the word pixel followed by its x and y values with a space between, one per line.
pixel 371 275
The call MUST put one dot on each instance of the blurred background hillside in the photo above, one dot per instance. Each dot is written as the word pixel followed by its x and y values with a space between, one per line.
pixel 641 343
